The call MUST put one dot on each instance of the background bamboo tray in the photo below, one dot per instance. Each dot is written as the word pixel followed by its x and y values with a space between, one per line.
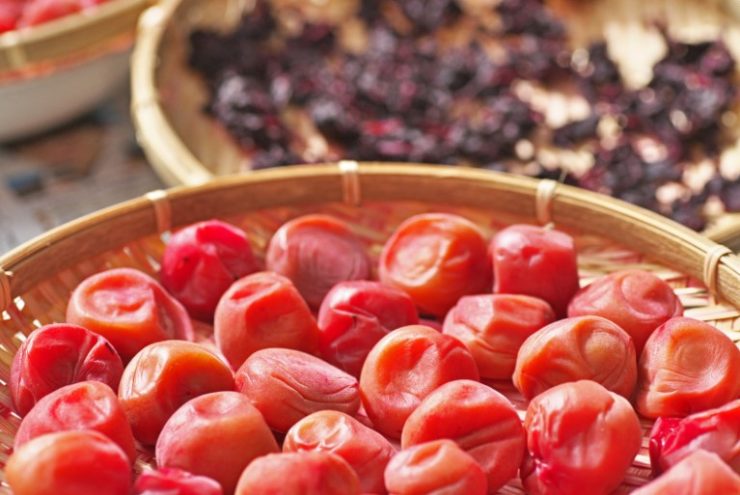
pixel 187 147
pixel 37 278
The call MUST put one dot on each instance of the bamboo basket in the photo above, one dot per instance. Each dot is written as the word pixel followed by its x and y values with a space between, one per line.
pixel 186 147
pixel 55 71
pixel 37 278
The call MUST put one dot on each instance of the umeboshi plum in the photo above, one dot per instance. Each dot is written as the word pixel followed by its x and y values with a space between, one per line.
pixel 299 473
pixel 579 348
pixel 438 467
pixel 41 11
pixel 687 366
pixel 173 481
pixel 317 252
pixel 355 316
pixel 494 326
pixel 130 309
pixel 579 435
pixel 636 300
pixel 482 422
pixel 79 406
pixel 162 377
pixel 714 430
pixel 69 463
pixel 700 473
pixel 215 435
pixel 364 449
pixel 263 310
pixel 436 258
pixel 57 355
pixel 201 262
pixel 535 261
pixel 286 385
pixel 404 367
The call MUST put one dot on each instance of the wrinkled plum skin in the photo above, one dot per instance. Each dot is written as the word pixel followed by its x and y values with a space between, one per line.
pixel 701 473
pixel 482 422
pixel 69 463
pixel 57 355
pixel 436 467
pixel 215 435
pixel 172 481
pixel 579 348
pixel 494 326
pixel 162 377
pixel 636 300
pixel 535 261
pixel 579 435
pixel 404 367
pixel 130 309
pixel 80 406
pixel 364 449
pixel 263 310
pixel 715 430
pixel 686 366
pixel 286 385
pixel 436 258
pixel 201 261
pixel 317 252
pixel 299 473
pixel 355 315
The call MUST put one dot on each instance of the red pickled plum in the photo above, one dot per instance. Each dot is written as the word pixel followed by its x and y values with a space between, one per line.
pixel 215 435
pixel 579 435
pixel 580 348
pixel 162 377
pixel 80 406
pixel 201 262
pixel 364 449
pixel 436 258
pixel 438 467
pixel 259 311
pixel 171 481
pixel 403 368
pixel 636 300
pixel 57 355
pixel 130 309
pixel 317 252
pixel 687 366
pixel 701 473
pixel 287 385
pixel 69 463
pixel 714 430
pixel 479 419
pixel 493 328
pixel 535 261
pixel 355 316
pixel 302 473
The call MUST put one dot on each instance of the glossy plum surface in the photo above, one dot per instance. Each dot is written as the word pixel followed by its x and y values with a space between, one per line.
pixel 286 385
pixel 57 355
pixel 406 366
pixel 172 481
pixel 436 258
pixel 494 326
pixel 355 315
pixel 201 262
pixel 164 376
pixel 535 261
pixel 317 252
pixel 130 309
pixel 701 473
pixel 263 310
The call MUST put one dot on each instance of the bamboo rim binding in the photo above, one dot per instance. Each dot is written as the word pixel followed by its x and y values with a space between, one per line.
pixel 6 295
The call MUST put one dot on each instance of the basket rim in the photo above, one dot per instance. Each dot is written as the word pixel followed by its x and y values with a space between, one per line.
pixel 50 42
pixel 104 230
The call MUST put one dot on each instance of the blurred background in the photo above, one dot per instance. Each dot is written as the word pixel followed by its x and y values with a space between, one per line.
pixel 634 99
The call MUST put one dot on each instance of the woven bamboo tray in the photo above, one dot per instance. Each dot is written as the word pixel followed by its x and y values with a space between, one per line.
pixel 186 147
pixel 37 278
